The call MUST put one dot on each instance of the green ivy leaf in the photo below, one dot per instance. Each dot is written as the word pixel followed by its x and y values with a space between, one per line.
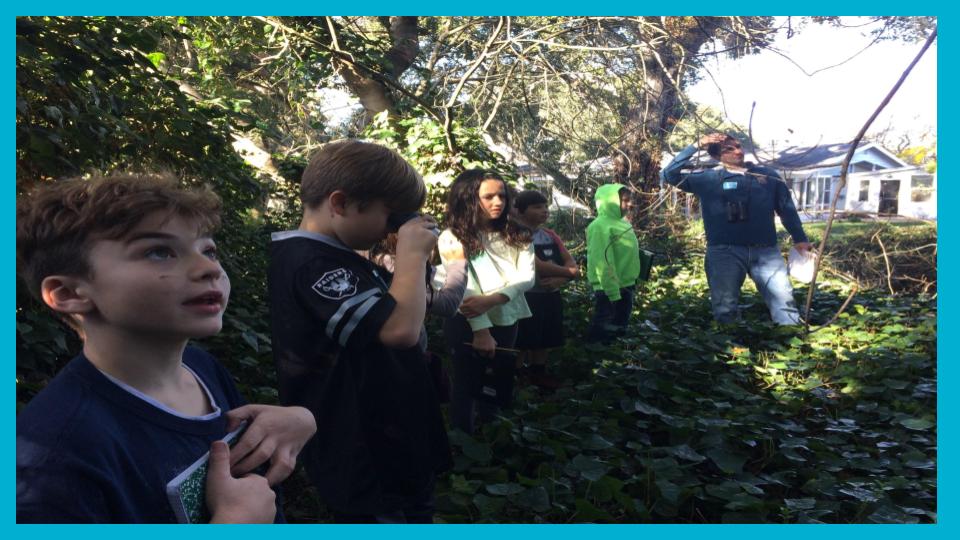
pixel 728 462
pixel 800 504
pixel 589 467
pixel 683 451
pixel 725 491
pixel 535 499
pixel 887 514
pixel 504 489
pixel 596 442
pixel 917 424
pixel 859 494
pixel 251 339
pixel 489 506
pixel 156 58
pixel 588 513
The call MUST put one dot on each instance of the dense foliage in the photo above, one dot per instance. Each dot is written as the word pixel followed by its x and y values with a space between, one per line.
pixel 684 421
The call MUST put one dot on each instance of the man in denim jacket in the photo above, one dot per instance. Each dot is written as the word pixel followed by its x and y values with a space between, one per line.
pixel 738 201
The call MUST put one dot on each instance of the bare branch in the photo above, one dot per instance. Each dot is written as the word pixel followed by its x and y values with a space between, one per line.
pixel 846 164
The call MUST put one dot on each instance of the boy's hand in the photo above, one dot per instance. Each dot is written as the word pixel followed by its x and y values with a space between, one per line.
pixel 247 499
pixel 419 235
pixel 484 344
pixel 275 434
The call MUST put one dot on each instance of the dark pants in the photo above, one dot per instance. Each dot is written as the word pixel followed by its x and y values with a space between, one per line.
pixel 610 318
pixel 418 511
pixel 463 398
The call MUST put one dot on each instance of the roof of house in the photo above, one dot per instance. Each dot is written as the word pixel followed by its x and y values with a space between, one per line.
pixel 824 155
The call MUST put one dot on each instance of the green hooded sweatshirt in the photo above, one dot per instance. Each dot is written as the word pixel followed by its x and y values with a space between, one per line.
pixel 613 255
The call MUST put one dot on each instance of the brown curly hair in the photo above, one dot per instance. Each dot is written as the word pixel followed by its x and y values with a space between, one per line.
pixel 464 213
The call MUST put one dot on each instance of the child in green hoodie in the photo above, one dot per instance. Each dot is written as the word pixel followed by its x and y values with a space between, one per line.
pixel 613 263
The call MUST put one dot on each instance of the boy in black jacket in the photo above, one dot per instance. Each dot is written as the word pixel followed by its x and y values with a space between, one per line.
pixel 345 336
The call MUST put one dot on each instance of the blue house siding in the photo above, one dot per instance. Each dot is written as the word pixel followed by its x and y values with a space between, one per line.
pixel 814 174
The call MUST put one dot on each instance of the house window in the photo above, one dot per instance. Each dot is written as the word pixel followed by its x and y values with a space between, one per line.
pixel 864 190
pixel 921 187
pixel 818 192
pixel 810 201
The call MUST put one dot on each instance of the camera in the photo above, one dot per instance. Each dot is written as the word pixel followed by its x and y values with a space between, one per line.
pixel 737 211
pixel 396 219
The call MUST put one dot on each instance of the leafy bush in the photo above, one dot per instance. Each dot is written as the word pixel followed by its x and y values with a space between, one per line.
pixel 897 255
pixel 685 421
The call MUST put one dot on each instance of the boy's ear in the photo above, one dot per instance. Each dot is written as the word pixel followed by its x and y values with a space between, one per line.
pixel 338 202
pixel 66 294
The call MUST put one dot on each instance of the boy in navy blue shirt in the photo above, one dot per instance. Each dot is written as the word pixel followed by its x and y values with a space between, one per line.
pixel 130 264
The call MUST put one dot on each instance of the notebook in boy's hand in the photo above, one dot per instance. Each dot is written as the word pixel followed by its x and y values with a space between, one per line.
pixel 187 492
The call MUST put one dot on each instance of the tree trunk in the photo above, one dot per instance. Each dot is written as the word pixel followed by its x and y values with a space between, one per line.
pixel 374 95
pixel 637 160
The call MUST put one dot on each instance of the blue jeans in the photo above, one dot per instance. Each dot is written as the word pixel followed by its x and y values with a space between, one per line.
pixel 609 318
pixel 727 267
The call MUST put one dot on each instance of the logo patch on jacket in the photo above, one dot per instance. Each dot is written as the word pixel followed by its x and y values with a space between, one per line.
pixel 337 284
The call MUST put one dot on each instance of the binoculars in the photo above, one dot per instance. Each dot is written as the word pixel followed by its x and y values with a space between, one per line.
pixel 737 211
pixel 396 220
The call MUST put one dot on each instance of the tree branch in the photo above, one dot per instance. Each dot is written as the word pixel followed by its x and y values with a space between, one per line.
pixel 846 164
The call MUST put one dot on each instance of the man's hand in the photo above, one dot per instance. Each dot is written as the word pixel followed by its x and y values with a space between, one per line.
pixel 475 306
pixel 802 247
pixel 247 499
pixel 419 235
pixel 484 343
pixel 274 434
pixel 711 138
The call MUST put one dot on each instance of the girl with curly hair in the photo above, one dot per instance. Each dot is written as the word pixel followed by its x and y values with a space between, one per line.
pixel 500 269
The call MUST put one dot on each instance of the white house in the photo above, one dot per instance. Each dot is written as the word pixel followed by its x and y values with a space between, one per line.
pixel 545 183
pixel 878 182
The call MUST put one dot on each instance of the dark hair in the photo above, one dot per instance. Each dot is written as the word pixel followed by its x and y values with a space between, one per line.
pixel 715 149
pixel 57 222
pixel 528 198
pixel 463 213
pixel 366 172
pixel 384 254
